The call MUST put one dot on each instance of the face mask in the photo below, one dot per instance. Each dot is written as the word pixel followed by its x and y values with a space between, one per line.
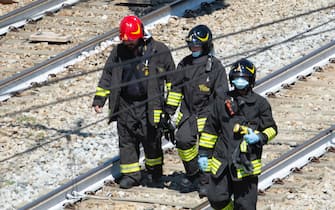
pixel 240 83
pixel 196 54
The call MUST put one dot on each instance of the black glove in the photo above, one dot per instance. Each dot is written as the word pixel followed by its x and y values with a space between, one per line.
pixel 167 127
pixel 164 121
pixel 240 160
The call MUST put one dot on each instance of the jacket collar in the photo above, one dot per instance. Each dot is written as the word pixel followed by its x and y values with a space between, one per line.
pixel 248 98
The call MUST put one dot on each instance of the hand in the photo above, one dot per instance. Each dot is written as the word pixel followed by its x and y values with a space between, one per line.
pixel 97 109
pixel 251 137
pixel 203 163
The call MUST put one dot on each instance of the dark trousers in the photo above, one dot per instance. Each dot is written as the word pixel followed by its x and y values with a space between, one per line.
pixel 186 139
pixel 221 189
pixel 134 129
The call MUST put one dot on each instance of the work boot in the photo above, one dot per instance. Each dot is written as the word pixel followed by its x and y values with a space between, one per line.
pixel 154 181
pixel 203 184
pixel 202 191
pixel 128 182
pixel 189 184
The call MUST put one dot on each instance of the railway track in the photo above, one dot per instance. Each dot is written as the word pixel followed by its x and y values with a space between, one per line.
pixel 279 161
pixel 283 191
pixel 12 5
pixel 66 36
pixel 41 115
pixel 30 56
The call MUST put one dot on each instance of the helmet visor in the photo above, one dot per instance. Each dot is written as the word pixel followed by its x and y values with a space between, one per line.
pixel 192 41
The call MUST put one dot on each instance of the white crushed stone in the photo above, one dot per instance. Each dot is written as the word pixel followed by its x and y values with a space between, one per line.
pixel 26 177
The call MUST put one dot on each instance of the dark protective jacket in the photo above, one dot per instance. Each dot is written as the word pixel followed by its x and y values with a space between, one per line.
pixel 219 140
pixel 195 85
pixel 156 59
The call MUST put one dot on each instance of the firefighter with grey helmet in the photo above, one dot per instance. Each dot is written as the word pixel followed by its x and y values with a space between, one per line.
pixel 199 79
pixel 137 106
pixel 238 126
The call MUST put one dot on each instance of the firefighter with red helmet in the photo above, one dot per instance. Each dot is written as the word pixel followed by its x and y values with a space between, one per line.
pixel 137 105
pixel 199 79
pixel 238 126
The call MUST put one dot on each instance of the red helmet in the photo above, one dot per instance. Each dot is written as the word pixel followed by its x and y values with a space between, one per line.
pixel 131 28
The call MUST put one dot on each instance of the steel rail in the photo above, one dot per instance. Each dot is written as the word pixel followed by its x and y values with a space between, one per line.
pixel 40 72
pixel 316 146
pixel 302 67
pixel 33 11
pixel 297 158
pixel 76 189
pixel 55 199
pixel 294 160
pixel 93 179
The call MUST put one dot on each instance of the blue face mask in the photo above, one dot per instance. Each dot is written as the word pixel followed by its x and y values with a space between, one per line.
pixel 240 83
pixel 196 54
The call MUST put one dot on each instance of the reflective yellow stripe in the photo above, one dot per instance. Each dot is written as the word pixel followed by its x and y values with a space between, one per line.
pixel 201 123
pixel 154 161
pixel 179 116
pixel 174 98
pixel 168 86
pixel 207 140
pixel 257 166
pixel 130 168
pixel 157 115
pixel 215 165
pixel 270 133
pixel 243 146
pixel 257 169
pixel 208 169
pixel 188 154
pixel 102 92
pixel 229 206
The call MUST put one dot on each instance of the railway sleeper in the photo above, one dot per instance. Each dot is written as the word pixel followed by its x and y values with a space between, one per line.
pixel 314 159
pixel 278 181
pixel 330 149
pixel 148 195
